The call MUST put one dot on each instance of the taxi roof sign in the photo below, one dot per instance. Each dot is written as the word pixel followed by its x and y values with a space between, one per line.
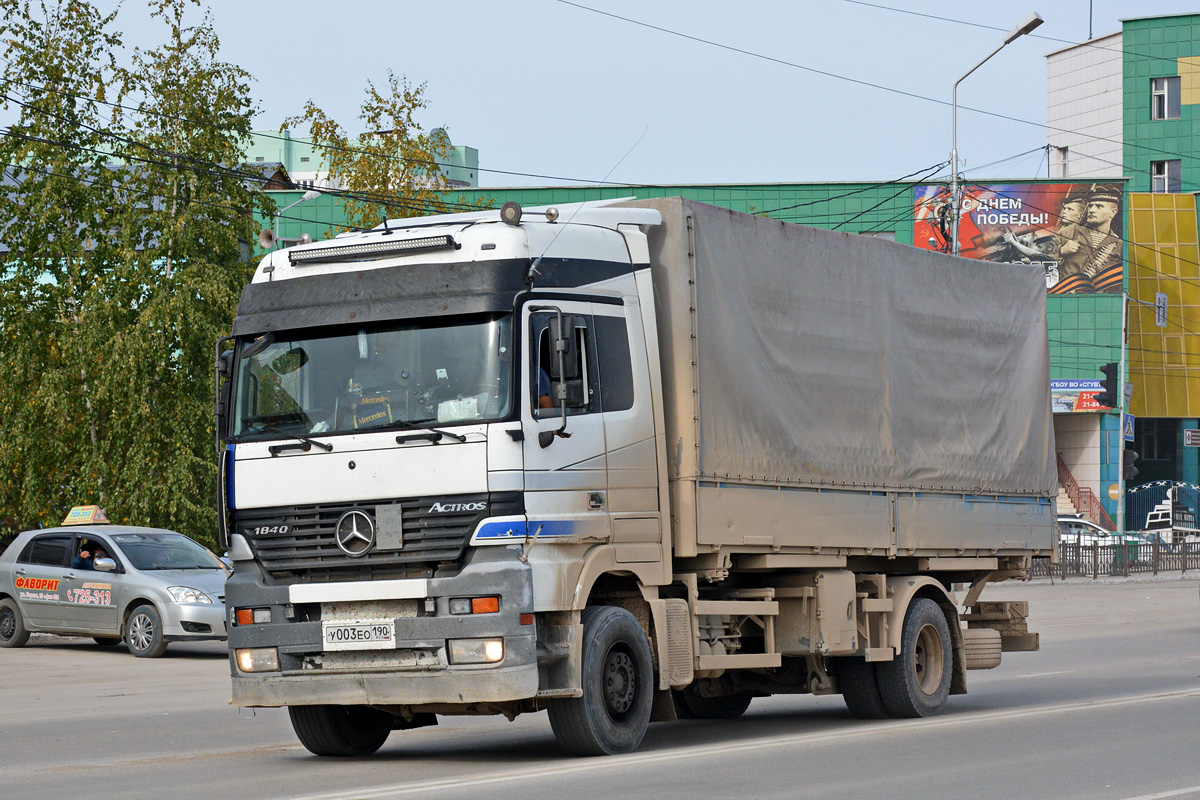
pixel 85 515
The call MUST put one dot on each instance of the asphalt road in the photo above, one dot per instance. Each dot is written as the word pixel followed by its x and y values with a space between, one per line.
pixel 1109 708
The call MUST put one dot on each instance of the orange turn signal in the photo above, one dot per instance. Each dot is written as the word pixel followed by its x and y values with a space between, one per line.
pixel 527 619
pixel 485 605
pixel 245 616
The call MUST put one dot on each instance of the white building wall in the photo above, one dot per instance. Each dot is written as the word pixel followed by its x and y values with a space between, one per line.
pixel 1077 440
pixel 1084 109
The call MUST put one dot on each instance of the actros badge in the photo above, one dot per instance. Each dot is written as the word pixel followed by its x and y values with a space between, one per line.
pixel 355 533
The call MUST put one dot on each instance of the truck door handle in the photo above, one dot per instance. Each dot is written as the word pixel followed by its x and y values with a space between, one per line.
pixel 595 500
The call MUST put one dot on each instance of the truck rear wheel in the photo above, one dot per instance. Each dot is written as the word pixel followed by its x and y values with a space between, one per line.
pixel 859 683
pixel 729 706
pixel 340 730
pixel 917 682
pixel 618 687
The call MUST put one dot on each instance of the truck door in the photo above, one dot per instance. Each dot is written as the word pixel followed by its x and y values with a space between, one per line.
pixel 38 577
pixel 625 400
pixel 566 463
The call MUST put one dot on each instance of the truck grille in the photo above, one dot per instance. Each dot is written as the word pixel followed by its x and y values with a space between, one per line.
pixel 309 549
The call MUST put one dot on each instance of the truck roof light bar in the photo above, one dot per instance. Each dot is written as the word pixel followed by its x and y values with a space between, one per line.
pixel 352 252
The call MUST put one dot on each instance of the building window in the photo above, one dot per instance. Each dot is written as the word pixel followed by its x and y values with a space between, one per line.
pixel 1166 176
pixel 1156 438
pixel 260 158
pixel 1164 98
pixel 303 159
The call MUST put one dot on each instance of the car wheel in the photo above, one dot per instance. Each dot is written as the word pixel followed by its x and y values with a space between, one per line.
pixel 144 634
pixel 12 627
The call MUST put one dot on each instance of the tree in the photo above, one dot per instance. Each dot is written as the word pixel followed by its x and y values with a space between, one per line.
pixel 113 370
pixel 54 219
pixel 184 229
pixel 391 170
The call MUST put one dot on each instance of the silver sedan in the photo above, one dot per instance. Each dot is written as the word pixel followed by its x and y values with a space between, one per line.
pixel 145 586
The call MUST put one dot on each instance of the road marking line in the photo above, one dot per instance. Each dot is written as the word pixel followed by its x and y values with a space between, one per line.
pixel 1172 793
pixel 698 751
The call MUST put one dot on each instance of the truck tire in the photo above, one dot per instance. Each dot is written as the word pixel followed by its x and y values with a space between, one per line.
pixel 859 682
pixel 917 682
pixel 144 633
pixel 12 627
pixel 729 706
pixel 340 730
pixel 618 687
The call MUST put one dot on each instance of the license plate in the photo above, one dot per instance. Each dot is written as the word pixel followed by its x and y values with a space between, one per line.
pixel 362 635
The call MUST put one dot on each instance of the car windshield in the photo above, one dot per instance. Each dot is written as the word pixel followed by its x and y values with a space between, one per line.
pixel 147 551
pixel 374 377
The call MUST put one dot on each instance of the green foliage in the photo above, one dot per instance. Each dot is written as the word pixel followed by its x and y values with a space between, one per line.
pixel 128 235
pixel 393 164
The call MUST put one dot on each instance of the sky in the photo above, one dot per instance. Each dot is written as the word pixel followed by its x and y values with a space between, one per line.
pixel 552 92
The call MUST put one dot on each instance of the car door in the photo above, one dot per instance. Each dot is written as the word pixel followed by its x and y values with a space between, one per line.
pixel 89 596
pixel 38 577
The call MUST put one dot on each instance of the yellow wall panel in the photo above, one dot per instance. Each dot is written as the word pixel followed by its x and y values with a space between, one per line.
pixel 1164 363
pixel 1189 80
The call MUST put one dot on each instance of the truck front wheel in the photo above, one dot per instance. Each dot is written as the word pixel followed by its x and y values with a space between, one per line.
pixel 340 730
pixel 618 687
pixel 917 682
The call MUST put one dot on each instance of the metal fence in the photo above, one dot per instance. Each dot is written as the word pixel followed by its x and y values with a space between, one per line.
pixel 1076 559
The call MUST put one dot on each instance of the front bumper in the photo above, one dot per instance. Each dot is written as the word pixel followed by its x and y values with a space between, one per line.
pixel 417 671
pixel 193 622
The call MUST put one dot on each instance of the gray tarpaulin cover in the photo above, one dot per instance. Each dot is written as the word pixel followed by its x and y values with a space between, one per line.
pixel 834 359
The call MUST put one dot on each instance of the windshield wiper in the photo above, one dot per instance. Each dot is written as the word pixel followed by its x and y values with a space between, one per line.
pixel 435 435
pixel 304 444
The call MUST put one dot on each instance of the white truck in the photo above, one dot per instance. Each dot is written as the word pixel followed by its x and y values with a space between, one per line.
pixel 625 461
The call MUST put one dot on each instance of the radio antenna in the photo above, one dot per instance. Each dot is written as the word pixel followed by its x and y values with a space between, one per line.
pixel 533 270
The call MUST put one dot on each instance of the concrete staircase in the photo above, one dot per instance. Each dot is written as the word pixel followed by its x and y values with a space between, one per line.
pixel 1065 506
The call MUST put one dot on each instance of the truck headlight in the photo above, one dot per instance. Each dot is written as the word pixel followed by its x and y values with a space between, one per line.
pixel 257 659
pixel 475 651
pixel 186 594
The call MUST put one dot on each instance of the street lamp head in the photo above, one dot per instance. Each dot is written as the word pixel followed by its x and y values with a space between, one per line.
pixel 313 194
pixel 1031 22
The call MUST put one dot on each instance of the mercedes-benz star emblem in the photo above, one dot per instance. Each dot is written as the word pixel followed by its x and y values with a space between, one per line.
pixel 355 533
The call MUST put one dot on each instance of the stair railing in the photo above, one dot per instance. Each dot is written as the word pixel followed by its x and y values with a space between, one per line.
pixel 1083 498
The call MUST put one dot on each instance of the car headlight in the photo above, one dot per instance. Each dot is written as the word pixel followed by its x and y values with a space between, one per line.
pixel 186 594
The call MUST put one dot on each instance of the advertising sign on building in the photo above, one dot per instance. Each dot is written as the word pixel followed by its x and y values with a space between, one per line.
pixel 1072 230
pixel 1071 396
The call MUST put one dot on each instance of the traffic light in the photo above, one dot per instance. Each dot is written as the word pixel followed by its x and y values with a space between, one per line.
pixel 1130 471
pixel 1108 395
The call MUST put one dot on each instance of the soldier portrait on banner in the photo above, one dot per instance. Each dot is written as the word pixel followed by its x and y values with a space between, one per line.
pixel 1072 230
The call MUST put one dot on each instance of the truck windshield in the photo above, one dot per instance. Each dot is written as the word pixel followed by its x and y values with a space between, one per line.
pixel 390 375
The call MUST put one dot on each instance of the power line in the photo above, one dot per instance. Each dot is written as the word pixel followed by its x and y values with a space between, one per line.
pixel 857 81
pixel 323 146
pixel 1088 44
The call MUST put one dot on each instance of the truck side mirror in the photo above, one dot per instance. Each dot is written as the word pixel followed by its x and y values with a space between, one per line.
pixel 224 369
pixel 564 355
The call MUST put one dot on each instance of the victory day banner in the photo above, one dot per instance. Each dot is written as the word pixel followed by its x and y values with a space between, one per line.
pixel 1072 230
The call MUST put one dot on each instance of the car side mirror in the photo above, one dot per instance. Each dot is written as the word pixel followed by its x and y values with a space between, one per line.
pixel 104 565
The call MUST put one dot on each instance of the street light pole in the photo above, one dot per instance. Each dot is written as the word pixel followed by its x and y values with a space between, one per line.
pixel 1031 22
